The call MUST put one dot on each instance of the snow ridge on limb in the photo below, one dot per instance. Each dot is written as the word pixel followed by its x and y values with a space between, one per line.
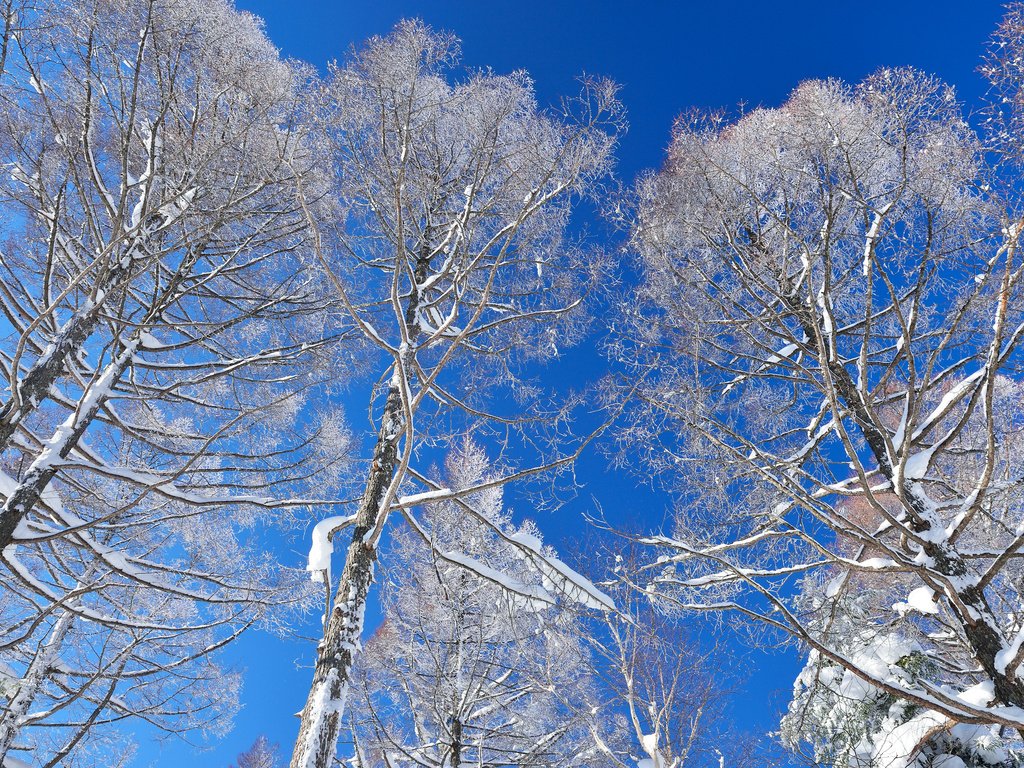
pixel 556 576
pixel 322 546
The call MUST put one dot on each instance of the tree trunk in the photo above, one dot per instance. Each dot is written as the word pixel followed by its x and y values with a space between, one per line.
pixel 456 743
pixel 71 338
pixel 317 743
pixel 32 486
pixel 321 717
pixel 35 387
pixel 29 685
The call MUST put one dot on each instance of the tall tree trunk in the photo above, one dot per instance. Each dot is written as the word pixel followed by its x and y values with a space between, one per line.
pixel 32 486
pixel 456 742
pixel 321 717
pixel 317 743
pixel 31 682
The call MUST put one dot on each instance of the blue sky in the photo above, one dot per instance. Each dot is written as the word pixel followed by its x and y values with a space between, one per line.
pixel 669 57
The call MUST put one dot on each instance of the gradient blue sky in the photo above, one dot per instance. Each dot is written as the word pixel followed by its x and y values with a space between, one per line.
pixel 669 56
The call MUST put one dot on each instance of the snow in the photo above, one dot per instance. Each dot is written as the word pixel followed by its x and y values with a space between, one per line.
pixel 556 577
pixel 368 327
pixel 527 540
pixel 980 695
pixel 872 235
pixel 537 597
pixel 921 600
pixel 148 341
pixel 321 709
pixel 917 465
pixel 649 742
pixel 563 578
pixel 321 549
pixel 898 748
pixel 835 586
pixel 422 498
pixel 949 400
pixel 877 563
pixel 1006 656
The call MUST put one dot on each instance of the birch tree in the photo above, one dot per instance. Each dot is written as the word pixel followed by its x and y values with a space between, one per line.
pixel 663 685
pixel 161 339
pixel 444 239
pixel 464 671
pixel 831 324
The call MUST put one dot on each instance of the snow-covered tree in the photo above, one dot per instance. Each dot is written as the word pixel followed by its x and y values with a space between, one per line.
pixel 470 667
pixel 160 336
pixel 262 754
pixel 443 232
pixel 829 340
pixel 850 723
pixel 464 670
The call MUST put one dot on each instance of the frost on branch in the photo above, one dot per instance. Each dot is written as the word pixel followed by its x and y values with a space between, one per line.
pixel 159 344
pixel 471 665
pixel 841 291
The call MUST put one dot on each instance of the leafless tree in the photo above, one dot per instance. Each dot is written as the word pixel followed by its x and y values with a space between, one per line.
pixel 829 338
pixel 163 332
pixel 443 235
pixel 668 681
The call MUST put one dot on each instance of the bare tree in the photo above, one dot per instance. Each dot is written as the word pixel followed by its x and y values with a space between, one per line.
pixel 443 236
pixel 164 334
pixel 262 754
pixel 664 685
pixel 830 323
pixel 463 670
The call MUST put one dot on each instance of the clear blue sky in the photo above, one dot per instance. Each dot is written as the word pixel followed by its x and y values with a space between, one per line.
pixel 669 56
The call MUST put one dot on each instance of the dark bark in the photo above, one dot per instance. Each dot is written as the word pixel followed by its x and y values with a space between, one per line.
pixel 336 652
pixel 31 487
pixel 319 729
pixel 971 606
pixel 35 387
pixel 456 742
